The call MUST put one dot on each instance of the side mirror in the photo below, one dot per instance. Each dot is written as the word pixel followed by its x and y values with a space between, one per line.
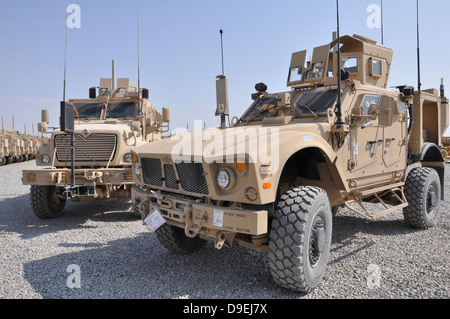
pixel 92 93
pixel 136 126
pixel 145 94
pixel 166 115
pixel 45 116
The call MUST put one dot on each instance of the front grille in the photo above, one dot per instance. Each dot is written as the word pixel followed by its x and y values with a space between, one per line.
pixel 151 171
pixel 94 148
pixel 170 177
pixel 191 176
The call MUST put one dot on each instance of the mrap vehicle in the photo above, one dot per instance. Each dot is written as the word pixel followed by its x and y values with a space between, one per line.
pixel 272 180
pixel 106 127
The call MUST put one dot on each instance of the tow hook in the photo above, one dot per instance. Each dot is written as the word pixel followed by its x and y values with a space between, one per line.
pixel 220 239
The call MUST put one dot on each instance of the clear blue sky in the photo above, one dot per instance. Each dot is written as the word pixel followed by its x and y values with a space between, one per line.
pixel 180 49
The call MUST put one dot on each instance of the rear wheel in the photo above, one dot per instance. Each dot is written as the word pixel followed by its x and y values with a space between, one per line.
pixel 174 239
pixel 300 238
pixel 45 203
pixel 423 193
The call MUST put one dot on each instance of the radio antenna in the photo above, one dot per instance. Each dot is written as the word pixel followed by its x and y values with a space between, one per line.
pixel 419 85
pixel 339 120
pixel 65 62
pixel 138 56
pixel 221 48
pixel 382 24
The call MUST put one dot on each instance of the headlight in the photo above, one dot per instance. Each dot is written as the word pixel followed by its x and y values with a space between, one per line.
pixel 137 169
pixel 226 178
pixel 127 158
pixel 45 159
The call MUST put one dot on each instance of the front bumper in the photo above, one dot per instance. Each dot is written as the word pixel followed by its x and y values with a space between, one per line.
pixel 192 215
pixel 83 177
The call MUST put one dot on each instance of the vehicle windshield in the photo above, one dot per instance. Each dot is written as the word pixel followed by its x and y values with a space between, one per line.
pixel 126 110
pixel 88 110
pixel 316 102
pixel 262 107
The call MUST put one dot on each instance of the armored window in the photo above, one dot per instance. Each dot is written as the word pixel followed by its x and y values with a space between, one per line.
pixel 261 108
pixel 295 75
pixel 318 102
pixel 368 100
pixel 350 65
pixel 88 110
pixel 316 72
pixel 127 110
pixel 376 67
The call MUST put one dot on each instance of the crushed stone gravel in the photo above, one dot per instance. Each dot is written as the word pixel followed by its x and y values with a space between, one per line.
pixel 99 250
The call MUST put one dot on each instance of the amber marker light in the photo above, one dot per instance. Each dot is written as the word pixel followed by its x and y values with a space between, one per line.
pixel 267 185
pixel 128 176
pixel 31 177
pixel 241 167
pixel 135 159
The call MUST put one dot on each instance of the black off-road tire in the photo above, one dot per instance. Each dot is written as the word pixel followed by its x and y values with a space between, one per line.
pixel 423 193
pixel 44 202
pixel 3 161
pixel 300 238
pixel 175 240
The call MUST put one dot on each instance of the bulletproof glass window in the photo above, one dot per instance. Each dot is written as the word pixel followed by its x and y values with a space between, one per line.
pixel 350 65
pixel 261 108
pixel 376 67
pixel 316 72
pixel 367 101
pixel 295 75
pixel 126 110
pixel 317 102
pixel 88 110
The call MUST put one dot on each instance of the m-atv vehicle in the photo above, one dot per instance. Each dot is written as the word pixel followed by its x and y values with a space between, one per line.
pixel 106 127
pixel 272 180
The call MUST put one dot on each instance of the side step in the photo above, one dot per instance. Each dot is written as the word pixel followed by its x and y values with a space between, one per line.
pixel 396 191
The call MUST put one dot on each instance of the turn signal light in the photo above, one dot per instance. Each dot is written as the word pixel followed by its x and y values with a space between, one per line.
pixel 267 185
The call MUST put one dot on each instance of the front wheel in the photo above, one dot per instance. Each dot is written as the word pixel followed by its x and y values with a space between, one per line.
pixel 174 239
pixel 45 203
pixel 300 238
pixel 423 193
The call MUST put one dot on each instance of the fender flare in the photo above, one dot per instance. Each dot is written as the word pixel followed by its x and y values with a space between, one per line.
pixel 431 153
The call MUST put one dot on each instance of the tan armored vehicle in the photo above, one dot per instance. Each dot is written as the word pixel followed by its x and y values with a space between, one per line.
pixel 272 180
pixel 106 127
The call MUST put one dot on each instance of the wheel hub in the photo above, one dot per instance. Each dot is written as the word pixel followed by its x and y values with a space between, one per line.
pixel 431 199
pixel 317 242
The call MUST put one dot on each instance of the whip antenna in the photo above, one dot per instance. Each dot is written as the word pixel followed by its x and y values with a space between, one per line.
pixel 221 48
pixel 339 120
pixel 382 24
pixel 419 85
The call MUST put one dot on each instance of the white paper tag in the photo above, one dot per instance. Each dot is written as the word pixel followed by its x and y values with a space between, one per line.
pixel 218 218
pixel 154 220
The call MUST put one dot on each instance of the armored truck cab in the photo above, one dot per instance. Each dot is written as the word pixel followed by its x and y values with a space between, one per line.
pixel 271 181
pixel 106 127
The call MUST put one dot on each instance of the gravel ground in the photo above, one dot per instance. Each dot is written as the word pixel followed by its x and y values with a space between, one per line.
pixel 117 257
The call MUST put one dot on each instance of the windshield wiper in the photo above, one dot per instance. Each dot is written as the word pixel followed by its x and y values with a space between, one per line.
pixel 309 109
